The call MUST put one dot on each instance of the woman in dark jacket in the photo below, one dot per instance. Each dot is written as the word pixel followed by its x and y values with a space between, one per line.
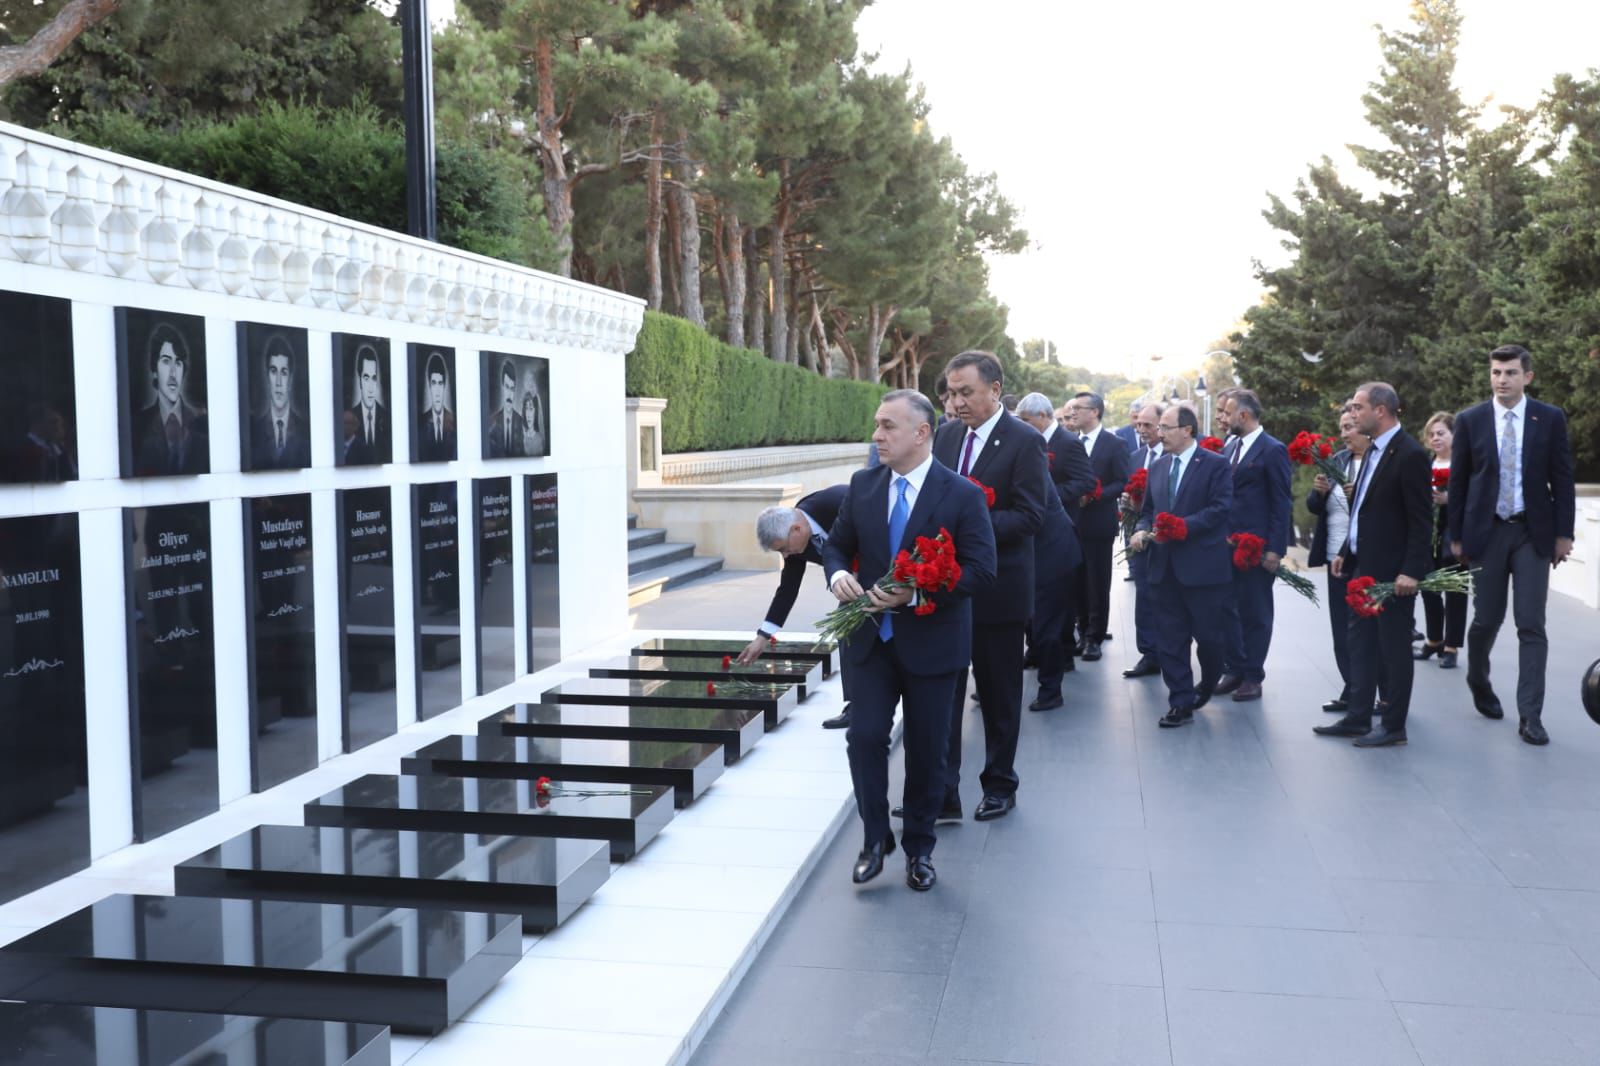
pixel 1446 612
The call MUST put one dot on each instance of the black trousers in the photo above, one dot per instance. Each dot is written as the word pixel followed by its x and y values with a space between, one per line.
pixel 1380 658
pixel 1188 614
pixel 1252 592
pixel 1510 558
pixel 1446 615
pixel 1051 612
pixel 1339 622
pixel 1144 609
pixel 1096 599
pixel 880 681
pixel 997 669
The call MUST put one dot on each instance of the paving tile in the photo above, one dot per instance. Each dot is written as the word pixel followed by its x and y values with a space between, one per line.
pixel 1478 1036
pixel 1031 1018
pixel 807 1009
pixel 467 1042
pixel 1251 1029
pixel 1242 898
pixel 1056 946
pixel 1296 962
pixel 1483 973
pixel 1474 912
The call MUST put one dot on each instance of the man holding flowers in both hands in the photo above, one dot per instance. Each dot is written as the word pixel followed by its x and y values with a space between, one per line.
pixel 1184 527
pixel 905 656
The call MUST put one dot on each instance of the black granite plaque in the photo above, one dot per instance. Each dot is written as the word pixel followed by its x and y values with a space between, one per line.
pixel 280 637
pixel 542 879
pixel 366 615
pixel 274 398
pixel 172 683
pixel 361 388
pixel 44 807
pixel 437 559
pixel 805 676
pixel 772 699
pixel 737 729
pixel 491 521
pixel 414 970
pixel 433 391
pixel 801 650
pixel 516 406
pixel 163 422
pixel 544 572
pixel 48 1034
pixel 38 408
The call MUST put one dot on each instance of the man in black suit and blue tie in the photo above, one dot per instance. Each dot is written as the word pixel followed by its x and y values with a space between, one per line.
pixel 1189 578
pixel 1097 521
pixel 1148 425
pixel 1511 470
pixel 905 658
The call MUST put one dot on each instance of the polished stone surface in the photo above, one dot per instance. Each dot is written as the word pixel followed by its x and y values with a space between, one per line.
pixel 496 618
pixel 436 582
pixel 414 970
pixel 163 418
pixel 688 767
pixel 366 615
pixel 498 806
pixel 695 647
pixel 804 675
pixel 775 701
pixel 543 880
pixel 543 570
pixel 38 406
pixel 737 729
pixel 280 628
pixel 47 1034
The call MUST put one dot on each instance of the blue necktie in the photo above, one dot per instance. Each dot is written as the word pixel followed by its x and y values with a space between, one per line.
pixel 1177 473
pixel 897 529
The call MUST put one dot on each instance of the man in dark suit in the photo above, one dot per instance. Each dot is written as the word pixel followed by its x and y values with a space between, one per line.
pixel 1072 476
pixel 1262 502
pixel 436 424
pixel 503 431
pixel 798 533
pixel 1057 559
pixel 1331 504
pixel 1511 468
pixel 1189 578
pixel 1006 456
pixel 1390 539
pixel 1129 434
pixel 1148 425
pixel 278 437
pixel 1097 521
pixel 170 436
pixel 905 657
pixel 372 443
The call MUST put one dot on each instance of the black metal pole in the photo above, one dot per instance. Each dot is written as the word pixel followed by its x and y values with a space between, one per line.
pixel 416 45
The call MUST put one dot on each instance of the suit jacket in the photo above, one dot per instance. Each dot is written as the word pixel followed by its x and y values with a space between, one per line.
pixel 1205 503
pixel 1394 531
pixel 1263 497
pixel 1056 551
pixel 1129 436
pixel 430 450
pixel 822 507
pixel 941 642
pixel 1012 463
pixel 1111 462
pixel 1317 504
pixel 1069 467
pixel 1548 493
pixel 151 456
pixel 496 444
pixel 264 444
pixel 382 447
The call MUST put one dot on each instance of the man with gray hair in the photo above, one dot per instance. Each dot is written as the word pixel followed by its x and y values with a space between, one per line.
pixel 799 534
pixel 1128 434
pixel 1072 476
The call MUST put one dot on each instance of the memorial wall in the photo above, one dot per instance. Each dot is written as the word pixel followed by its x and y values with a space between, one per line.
pixel 273 485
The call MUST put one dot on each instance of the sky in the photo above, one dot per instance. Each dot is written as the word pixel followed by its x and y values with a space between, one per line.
pixel 1140 140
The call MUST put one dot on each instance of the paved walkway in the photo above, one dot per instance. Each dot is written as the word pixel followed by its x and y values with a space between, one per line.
pixel 1235 892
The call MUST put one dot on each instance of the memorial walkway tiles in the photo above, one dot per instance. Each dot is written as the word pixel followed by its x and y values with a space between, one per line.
pixel 688 767
pixel 498 807
pixel 736 729
pixel 413 970
pixel 804 675
pixel 51 1034
pixel 542 879
pixel 773 701
pixel 695 647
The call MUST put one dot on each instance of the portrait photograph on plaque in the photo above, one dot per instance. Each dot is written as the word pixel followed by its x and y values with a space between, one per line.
pixel 516 406
pixel 361 390
pixel 162 426
pixel 366 615
pixel 544 572
pixel 274 398
pixel 280 638
pixel 38 407
pixel 438 597
pixel 496 622
pixel 433 391
pixel 44 804
pixel 172 681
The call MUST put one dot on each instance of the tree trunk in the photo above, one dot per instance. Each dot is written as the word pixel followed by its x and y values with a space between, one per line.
pixel 820 328
pixel 688 245
pixel 652 217
pixel 552 164
pixel 54 37
pixel 673 293
pixel 779 269
pixel 792 354
pixel 757 298
pixel 877 326
pixel 841 340
pixel 734 294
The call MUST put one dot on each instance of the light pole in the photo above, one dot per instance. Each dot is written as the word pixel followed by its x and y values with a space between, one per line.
pixel 1204 396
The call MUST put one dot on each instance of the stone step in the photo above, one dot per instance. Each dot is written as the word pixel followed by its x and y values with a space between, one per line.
pixel 653 556
pixel 737 729
pixel 643 538
pixel 648 585
pixel 633 521
pixel 775 701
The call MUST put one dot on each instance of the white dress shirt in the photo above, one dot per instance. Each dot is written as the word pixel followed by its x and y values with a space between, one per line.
pixel 1244 444
pixel 1090 437
pixel 1380 443
pixel 914 478
pixel 983 433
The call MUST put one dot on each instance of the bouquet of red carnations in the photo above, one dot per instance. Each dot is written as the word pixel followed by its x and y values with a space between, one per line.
pixel 1313 449
pixel 1166 529
pixel 1093 495
pixel 1366 596
pixel 1247 552
pixel 988 493
pixel 1212 444
pixel 1129 507
pixel 931 567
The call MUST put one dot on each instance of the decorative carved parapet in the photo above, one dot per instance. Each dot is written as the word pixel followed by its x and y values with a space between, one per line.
pixel 79 208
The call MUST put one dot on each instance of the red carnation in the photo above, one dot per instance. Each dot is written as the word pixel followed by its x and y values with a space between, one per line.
pixel 1050 459
pixel 1169 527
pixel 1247 550
pixel 1324 448
pixel 711 688
pixel 1138 481
pixel 542 786
pixel 988 493
pixel 1358 595
pixel 727 662
pixel 1211 444
pixel 1093 495
pixel 1441 479
pixel 925 607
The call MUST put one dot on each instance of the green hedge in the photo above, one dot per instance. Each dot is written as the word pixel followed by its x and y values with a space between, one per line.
pixel 722 397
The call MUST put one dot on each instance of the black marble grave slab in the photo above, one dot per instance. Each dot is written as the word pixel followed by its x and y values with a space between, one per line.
pixel 414 970
pixel 737 729
pixel 775 701
pixel 543 571
pixel 803 675
pixel 436 556
pixel 802 650
pixel 280 635
pixel 499 807
pixel 366 611
pixel 496 615
pixel 687 767
pixel 55 1034
pixel 38 406
pixel 543 880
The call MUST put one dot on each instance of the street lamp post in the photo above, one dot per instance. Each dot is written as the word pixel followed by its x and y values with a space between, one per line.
pixel 416 49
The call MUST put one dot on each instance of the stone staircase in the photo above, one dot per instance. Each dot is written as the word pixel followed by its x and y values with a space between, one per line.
pixel 656 565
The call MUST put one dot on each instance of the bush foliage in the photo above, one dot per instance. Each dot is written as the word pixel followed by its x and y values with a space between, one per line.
pixel 723 397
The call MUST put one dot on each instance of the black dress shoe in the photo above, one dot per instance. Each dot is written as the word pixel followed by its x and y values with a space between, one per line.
pixel 838 721
pixel 950 812
pixel 1335 706
pixel 1382 738
pixel 1344 727
pixel 1416 635
pixel 1447 660
pixel 919 872
pixel 1106 639
pixel 1227 684
pixel 1176 717
pixel 1532 732
pixel 1250 690
pixel 1427 651
pixel 1145 667
pixel 1487 703
pixel 1045 703
pixel 869 863
pixel 1202 695
pixel 991 807
pixel 1091 654
pixel 1030 661
pixel 1081 646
